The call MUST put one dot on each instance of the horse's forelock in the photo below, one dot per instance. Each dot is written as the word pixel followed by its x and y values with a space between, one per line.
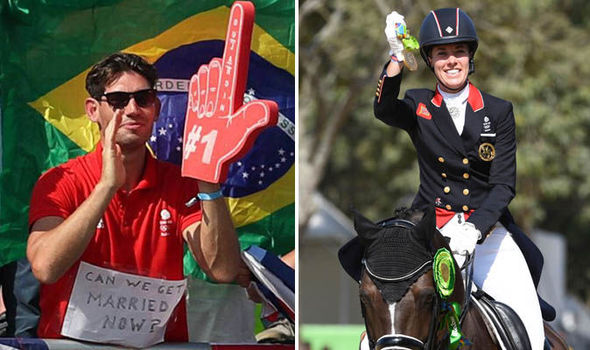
pixel 411 214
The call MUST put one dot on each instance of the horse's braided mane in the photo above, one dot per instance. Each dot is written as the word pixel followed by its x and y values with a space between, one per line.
pixel 411 214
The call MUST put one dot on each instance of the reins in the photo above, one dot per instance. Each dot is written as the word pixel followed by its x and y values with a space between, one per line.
pixel 468 285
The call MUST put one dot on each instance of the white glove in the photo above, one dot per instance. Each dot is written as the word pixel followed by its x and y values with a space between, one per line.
pixel 393 21
pixel 463 242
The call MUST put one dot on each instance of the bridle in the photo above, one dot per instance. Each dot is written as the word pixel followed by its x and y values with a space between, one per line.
pixel 401 340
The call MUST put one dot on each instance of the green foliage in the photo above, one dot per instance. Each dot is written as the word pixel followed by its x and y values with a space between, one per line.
pixel 533 53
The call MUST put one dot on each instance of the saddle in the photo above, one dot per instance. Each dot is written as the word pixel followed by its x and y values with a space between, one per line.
pixel 502 322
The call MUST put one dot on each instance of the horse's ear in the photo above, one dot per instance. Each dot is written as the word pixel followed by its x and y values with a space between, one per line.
pixel 425 229
pixel 440 241
pixel 365 228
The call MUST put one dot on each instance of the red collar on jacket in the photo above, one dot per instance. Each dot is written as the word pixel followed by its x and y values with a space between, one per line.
pixel 475 98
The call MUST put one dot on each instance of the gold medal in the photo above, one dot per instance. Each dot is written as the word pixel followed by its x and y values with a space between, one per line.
pixel 487 152
pixel 410 60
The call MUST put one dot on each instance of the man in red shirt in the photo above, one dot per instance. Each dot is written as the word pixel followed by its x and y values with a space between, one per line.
pixel 107 228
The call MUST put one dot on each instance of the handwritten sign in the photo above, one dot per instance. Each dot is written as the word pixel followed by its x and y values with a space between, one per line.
pixel 219 128
pixel 108 306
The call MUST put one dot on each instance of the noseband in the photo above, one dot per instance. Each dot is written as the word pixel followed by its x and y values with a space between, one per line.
pixel 401 340
pixel 406 341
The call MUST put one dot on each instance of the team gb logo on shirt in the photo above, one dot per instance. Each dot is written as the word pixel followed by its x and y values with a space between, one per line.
pixel 165 222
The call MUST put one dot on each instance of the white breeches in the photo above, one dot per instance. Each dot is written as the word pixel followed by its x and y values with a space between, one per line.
pixel 501 271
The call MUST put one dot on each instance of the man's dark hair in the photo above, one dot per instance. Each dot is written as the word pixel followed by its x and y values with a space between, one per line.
pixel 110 68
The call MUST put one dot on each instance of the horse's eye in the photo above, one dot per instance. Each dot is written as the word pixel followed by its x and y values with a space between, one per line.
pixel 364 295
pixel 426 297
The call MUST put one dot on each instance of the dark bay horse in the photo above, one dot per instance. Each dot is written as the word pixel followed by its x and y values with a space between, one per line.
pixel 402 304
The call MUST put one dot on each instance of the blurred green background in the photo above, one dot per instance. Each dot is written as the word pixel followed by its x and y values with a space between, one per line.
pixel 330 337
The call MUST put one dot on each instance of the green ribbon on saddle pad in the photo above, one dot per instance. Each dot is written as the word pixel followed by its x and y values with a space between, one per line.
pixel 443 269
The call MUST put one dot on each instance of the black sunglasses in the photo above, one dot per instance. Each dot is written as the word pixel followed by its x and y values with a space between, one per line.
pixel 120 99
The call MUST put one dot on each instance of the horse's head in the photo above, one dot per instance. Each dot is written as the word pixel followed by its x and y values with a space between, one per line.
pixel 398 293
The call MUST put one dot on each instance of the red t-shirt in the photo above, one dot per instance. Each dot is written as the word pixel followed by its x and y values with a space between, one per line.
pixel 139 233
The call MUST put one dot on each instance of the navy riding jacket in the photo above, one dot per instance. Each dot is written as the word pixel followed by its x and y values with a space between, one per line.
pixel 472 171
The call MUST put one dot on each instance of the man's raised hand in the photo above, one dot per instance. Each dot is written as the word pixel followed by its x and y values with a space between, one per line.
pixel 113 171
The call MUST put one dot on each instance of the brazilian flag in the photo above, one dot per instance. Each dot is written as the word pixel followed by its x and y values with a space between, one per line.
pixel 48 46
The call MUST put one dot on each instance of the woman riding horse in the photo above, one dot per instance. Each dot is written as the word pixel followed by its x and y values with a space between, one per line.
pixel 465 141
pixel 412 292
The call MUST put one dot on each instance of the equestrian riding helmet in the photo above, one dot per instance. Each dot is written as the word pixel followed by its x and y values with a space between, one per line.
pixel 447 26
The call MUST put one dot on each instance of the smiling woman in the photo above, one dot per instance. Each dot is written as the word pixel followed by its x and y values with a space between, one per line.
pixel 450 63
pixel 466 146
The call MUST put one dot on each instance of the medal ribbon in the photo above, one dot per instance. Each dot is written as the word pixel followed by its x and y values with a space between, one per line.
pixel 444 277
